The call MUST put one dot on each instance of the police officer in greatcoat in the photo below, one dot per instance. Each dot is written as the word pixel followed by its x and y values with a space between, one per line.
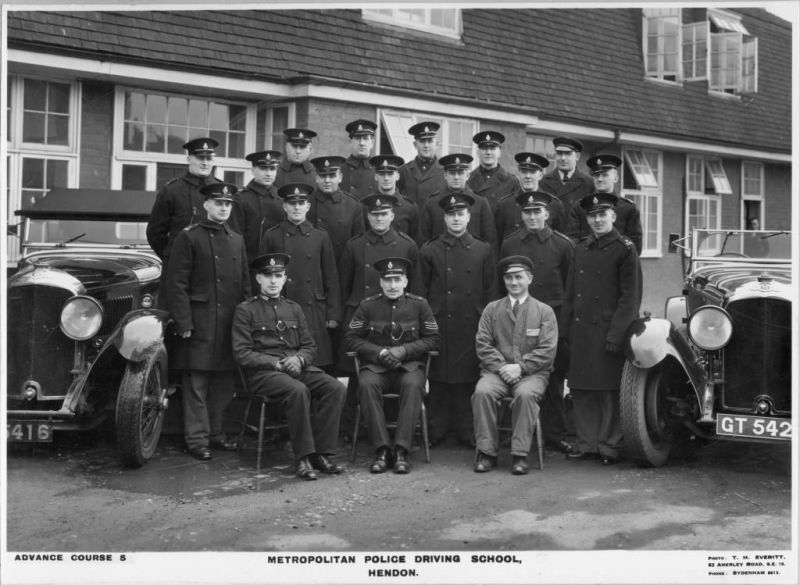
pixel 392 332
pixel 406 212
pixel 605 173
pixel 357 172
pixel 551 253
pixel 312 276
pixel 530 167
pixel 295 166
pixel 206 278
pixel 457 275
pixel 422 177
pixel 489 179
pixel 604 292
pixel 257 206
pixel 276 350
pixel 481 224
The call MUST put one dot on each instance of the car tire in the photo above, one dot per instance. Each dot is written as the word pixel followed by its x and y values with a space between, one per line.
pixel 141 404
pixel 648 436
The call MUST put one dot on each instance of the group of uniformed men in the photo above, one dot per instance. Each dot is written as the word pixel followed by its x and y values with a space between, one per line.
pixel 389 261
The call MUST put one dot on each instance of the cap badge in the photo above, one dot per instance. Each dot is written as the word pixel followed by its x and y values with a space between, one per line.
pixel 530 199
pixel 452 201
pixel 389 266
pixel 300 135
pixel 595 201
pixel 488 138
pixel 527 160
pixel 360 127
pixel 205 146
pixel 327 163
pixel 225 191
pixel 457 161
pixel 377 202
pixel 599 161
pixel 425 129
pixel 297 191
pixel 272 261
pixel 385 163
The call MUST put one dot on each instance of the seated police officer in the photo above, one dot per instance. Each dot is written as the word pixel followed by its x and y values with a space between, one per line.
pixel 392 332
pixel 273 345
pixel 516 345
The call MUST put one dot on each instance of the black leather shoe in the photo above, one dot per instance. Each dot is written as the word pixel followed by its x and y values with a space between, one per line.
pixel 325 465
pixel 201 453
pixel 520 466
pixel 562 446
pixel 608 460
pixel 484 462
pixel 401 464
pixel 225 445
pixel 581 456
pixel 383 459
pixel 304 469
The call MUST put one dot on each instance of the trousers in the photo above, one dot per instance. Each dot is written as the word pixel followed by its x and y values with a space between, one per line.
pixel 205 395
pixel 371 388
pixel 597 423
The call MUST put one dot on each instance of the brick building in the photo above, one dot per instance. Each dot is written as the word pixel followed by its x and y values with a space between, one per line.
pixel 696 101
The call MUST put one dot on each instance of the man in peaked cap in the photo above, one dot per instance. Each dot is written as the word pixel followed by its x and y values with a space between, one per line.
pixel 313 280
pixel 258 207
pixel 331 208
pixel 406 212
pixel 179 202
pixel 392 332
pixel 457 275
pixel 295 166
pixel 489 179
pixel 481 224
pixel 551 253
pixel 605 174
pixel 507 215
pixel 604 291
pixel 565 181
pixel 276 350
pixel 209 262
pixel 421 177
pixel 516 345
pixel 357 172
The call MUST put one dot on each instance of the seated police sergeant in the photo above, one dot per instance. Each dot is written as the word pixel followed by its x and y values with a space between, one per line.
pixel 392 332
pixel 273 345
pixel 516 345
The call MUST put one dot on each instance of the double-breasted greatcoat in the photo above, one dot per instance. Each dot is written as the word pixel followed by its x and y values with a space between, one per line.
pixel 493 185
pixel 604 291
pixel 628 222
pixel 206 278
pixel 358 177
pixel 256 208
pixel 312 277
pixel 289 172
pixel 420 179
pixel 339 214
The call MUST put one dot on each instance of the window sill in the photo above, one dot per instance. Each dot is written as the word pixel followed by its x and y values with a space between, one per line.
pixel 651 255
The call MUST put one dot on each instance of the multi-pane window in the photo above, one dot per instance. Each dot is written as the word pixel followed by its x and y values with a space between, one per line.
pixel 39 175
pixel 46 112
pixel 542 145
pixel 163 123
pixel 753 193
pixel 441 21
pixel 726 62
pixel 662 43
pixel 455 134
pixel 717 177
pixel 750 66
pixel 695 50
pixel 702 208
pixel 641 183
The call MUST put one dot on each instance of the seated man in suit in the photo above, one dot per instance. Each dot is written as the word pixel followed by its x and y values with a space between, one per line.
pixel 516 345
pixel 273 345
pixel 392 332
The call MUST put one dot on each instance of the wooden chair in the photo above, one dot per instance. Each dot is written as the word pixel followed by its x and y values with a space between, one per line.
pixel 266 404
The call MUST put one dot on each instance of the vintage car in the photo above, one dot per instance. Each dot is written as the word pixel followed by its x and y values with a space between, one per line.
pixel 85 341
pixel 719 365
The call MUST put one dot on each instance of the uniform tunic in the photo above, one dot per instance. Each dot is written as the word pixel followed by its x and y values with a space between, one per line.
pixel 358 177
pixel 266 330
pixel 493 185
pixel 419 180
pixel 178 204
pixel 313 280
pixel 508 216
pixel 339 214
pixel 256 208
pixel 289 172
pixel 406 218
pixel 602 299
pixel 551 253
pixel 207 277
pixel 628 222
pixel 574 189
pixel 481 221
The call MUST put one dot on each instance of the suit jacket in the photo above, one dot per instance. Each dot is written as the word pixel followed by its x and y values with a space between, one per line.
pixel 579 185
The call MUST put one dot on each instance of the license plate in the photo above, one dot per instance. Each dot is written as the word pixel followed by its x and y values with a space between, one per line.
pixel 29 432
pixel 738 425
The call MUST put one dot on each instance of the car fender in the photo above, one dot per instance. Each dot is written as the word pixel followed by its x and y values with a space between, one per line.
pixel 650 341
pixel 140 333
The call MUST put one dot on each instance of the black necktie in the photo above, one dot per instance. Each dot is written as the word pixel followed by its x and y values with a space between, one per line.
pixel 515 308
pixel 564 178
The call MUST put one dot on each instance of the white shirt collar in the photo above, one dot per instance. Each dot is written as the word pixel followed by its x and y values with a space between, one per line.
pixel 521 301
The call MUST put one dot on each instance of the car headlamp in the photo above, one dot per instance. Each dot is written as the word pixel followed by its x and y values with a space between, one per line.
pixel 81 318
pixel 710 328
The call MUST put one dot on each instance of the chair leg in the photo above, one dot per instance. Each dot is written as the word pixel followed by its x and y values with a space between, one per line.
pixel 244 425
pixel 426 445
pixel 260 447
pixel 539 443
pixel 355 433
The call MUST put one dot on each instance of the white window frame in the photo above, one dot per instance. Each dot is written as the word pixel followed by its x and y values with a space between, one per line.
pixel 662 16
pixel 757 196
pixel 719 178
pixel 398 122
pixel 749 74
pixel 638 165
pixel 700 196
pixel 542 145
pixel 648 198
pixel 689 43
pixel 150 160
pixel 399 17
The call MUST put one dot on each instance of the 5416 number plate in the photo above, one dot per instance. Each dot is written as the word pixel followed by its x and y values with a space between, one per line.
pixel 740 425
pixel 29 432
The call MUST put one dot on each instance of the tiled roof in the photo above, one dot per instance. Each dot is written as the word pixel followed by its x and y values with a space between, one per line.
pixel 576 65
